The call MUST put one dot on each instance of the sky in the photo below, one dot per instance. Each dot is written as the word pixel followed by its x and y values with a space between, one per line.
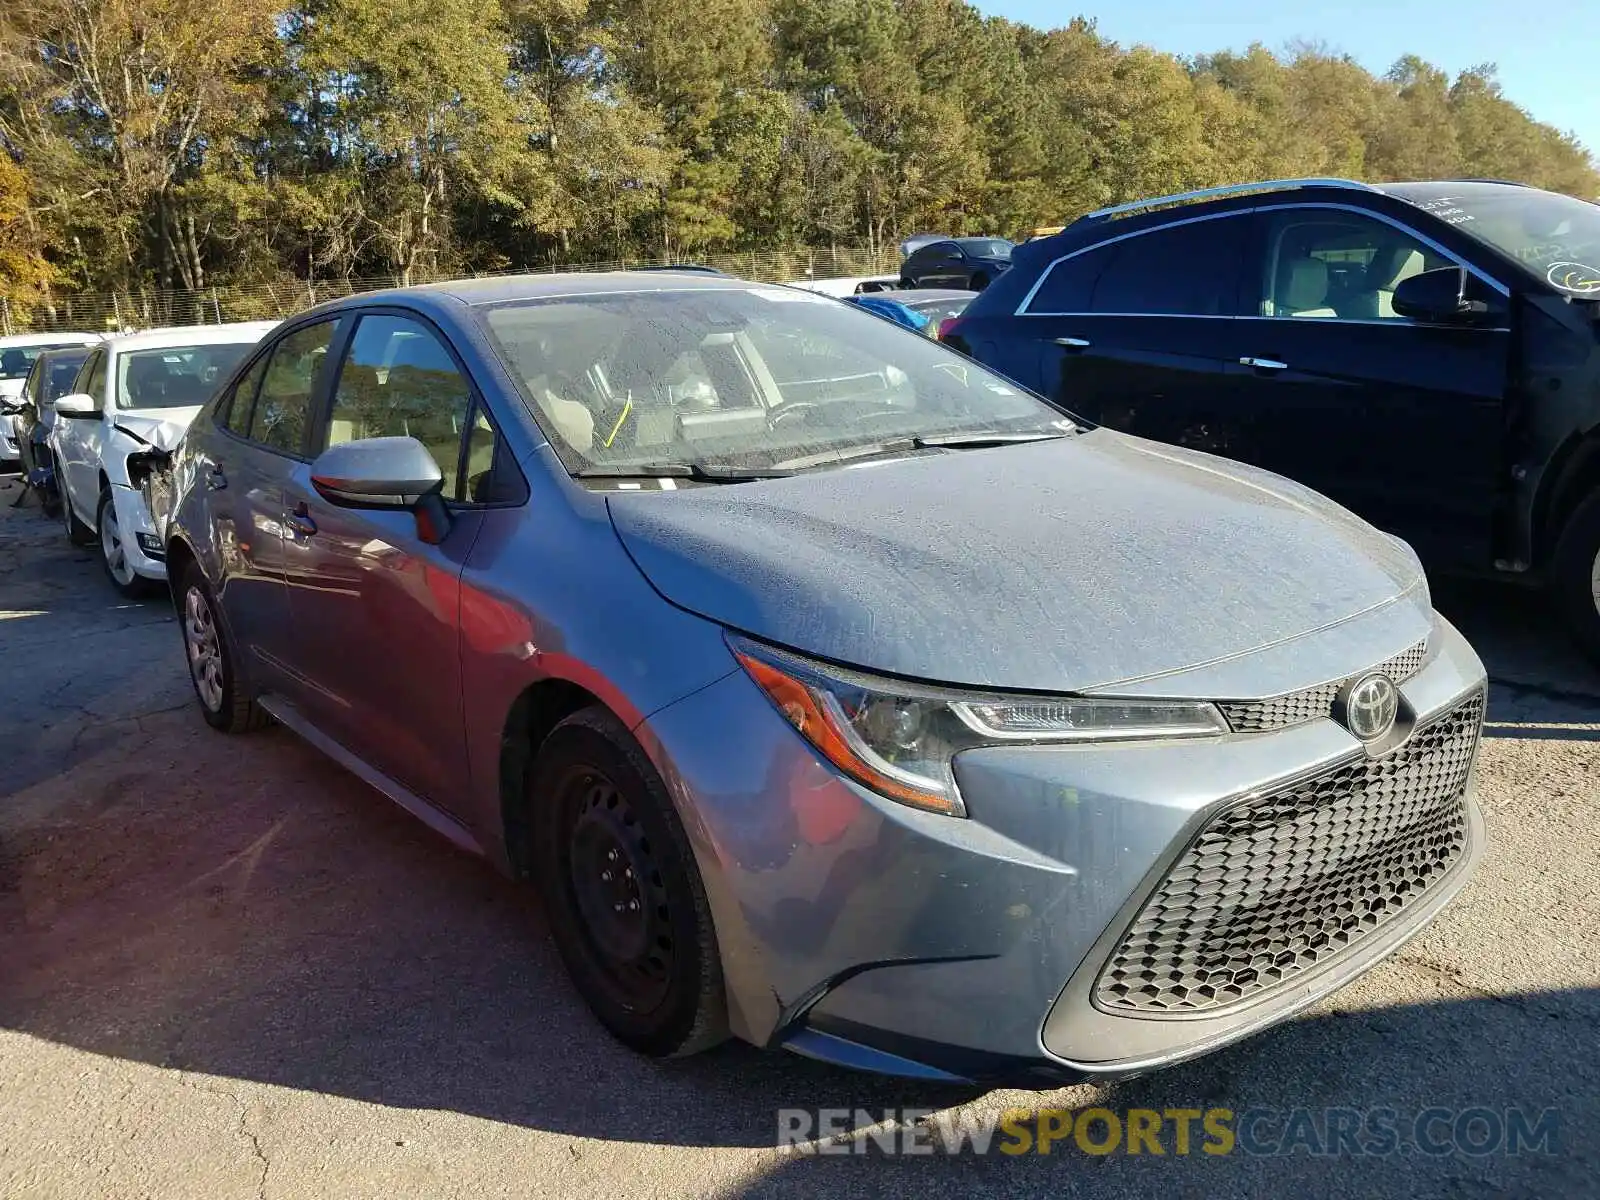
pixel 1535 45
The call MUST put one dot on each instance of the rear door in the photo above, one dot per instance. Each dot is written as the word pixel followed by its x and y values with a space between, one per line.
pixel 1398 420
pixel 1139 332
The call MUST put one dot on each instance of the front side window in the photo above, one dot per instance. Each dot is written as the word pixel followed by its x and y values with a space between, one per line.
pixel 1337 265
pixel 174 376
pixel 741 378
pixel 92 377
pixel 282 409
pixel 399 380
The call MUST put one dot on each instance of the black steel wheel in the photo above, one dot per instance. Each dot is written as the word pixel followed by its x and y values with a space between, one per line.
pixel 625 903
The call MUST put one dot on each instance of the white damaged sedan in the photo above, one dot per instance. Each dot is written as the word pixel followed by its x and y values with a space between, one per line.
pixel 131 403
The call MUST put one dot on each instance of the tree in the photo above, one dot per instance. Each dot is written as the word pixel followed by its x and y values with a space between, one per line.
pixel 24 273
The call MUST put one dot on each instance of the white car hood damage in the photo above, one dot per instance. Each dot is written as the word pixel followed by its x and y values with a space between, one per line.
pixel 161 430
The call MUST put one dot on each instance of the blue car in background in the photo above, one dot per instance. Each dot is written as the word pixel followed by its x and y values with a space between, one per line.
pixel 921 309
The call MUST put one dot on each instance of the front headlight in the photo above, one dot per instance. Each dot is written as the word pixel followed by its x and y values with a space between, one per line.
pixel 900 739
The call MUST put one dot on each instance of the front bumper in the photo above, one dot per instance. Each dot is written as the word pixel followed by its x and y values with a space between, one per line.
pixel 140 540
pixel 9 451
pixel 862 931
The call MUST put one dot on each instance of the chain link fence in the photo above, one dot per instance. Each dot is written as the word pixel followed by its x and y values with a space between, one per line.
pixel 154 308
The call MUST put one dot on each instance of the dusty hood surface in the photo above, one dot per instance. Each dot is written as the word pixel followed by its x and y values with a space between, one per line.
pixel 1052 566
pixel 160 429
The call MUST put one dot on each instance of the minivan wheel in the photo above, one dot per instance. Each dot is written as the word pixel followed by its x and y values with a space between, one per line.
pixel 211 660
pixel 626 906
pixel 78 533
pixel 1575 575
pixel 114 554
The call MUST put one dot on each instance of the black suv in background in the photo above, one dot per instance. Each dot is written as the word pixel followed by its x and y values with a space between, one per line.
pixel 972 263
pixel 1427 354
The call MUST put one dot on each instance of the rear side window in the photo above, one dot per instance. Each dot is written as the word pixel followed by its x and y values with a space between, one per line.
pixel 1187 270
pixel 283 405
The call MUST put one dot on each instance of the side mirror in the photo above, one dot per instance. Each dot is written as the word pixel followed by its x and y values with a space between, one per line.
pixel 77 404
pixel 1438 297
pixel 385 472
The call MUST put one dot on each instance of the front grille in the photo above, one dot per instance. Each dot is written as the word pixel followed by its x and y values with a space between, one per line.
pixel 1283 881
pixel 1256 716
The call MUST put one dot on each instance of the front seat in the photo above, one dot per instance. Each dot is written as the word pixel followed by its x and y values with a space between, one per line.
pixel 1302 289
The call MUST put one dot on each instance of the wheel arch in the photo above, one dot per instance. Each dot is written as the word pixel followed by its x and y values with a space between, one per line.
pixel 1574 475
pixel 180 557
pixel 538 709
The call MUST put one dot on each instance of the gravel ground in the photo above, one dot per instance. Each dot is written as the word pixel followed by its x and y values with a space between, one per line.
pixel 229 969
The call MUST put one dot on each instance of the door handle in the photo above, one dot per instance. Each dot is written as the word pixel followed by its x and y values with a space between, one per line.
pixel 300 521
pixel 1073 343
pixel 215 479
pixel 1264 364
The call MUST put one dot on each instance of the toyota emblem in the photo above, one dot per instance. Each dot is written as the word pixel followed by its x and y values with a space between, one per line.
pixel 1370 706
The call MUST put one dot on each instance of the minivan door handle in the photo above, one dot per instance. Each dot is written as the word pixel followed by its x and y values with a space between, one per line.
pixel 1264 364
pixel 1073 343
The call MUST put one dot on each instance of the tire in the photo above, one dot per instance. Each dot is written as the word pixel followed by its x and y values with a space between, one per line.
pixel 979 281
pixel 78 534
pixel 223 703
pixel 1575 575
pixel 606 837
pixel 113 554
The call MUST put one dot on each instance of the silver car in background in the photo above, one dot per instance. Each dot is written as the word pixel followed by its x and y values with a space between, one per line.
pixel 833 692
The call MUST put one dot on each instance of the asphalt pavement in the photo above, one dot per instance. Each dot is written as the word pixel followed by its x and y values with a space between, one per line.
pixel 228 969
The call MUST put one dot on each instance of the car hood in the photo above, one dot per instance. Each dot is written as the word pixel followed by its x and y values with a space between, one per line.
pixel 160 428
pixel 1065 565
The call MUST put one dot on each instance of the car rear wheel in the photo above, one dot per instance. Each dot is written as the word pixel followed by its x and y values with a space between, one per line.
pixel 114 551
pixel 212 659
pixel 1575 575
pixel 626 906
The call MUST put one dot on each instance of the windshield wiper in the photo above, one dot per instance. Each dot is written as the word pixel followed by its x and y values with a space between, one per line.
pixel 699 472
pixel 828 458
pixel 977 439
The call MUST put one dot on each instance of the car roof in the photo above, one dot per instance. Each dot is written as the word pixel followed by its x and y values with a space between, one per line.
pixel 65 337
pixel 497 289
pixel 191 335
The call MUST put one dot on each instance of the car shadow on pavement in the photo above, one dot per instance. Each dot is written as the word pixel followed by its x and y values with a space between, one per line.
pixel 242 908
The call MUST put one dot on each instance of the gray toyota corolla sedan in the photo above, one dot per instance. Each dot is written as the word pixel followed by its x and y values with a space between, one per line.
pixel 833 692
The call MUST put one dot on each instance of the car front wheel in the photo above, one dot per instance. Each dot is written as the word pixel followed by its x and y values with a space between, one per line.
pixel 78 533
pixel 1575 575
pixel 114 551
pixel 211 660
pixel 626 906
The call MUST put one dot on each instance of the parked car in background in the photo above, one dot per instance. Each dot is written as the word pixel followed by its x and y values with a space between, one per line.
pixel 831 689
pixel 921 309
pixel 1427 354
pixel 847 285
pixel 17 355
pixel 34 415
pixel 131 401
pixel 972 263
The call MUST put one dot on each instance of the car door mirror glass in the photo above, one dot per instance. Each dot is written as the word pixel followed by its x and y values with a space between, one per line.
pixel 1438 297
pixel 77 404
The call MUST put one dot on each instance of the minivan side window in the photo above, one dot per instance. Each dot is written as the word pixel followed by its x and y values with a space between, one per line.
pixel 282 410
pixel 1336 265
pixel 398 380
pixel 1185 270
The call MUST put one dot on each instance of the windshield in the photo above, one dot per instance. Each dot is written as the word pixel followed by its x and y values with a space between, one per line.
pixel 741 378
pixel 986 247
pixel 174 376
pixel 1554 236
pixel 17 361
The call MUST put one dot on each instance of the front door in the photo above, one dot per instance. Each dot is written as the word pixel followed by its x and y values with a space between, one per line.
pixel 78 440
pixel 1397 420
pixel 377 609
pixel 1139 333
